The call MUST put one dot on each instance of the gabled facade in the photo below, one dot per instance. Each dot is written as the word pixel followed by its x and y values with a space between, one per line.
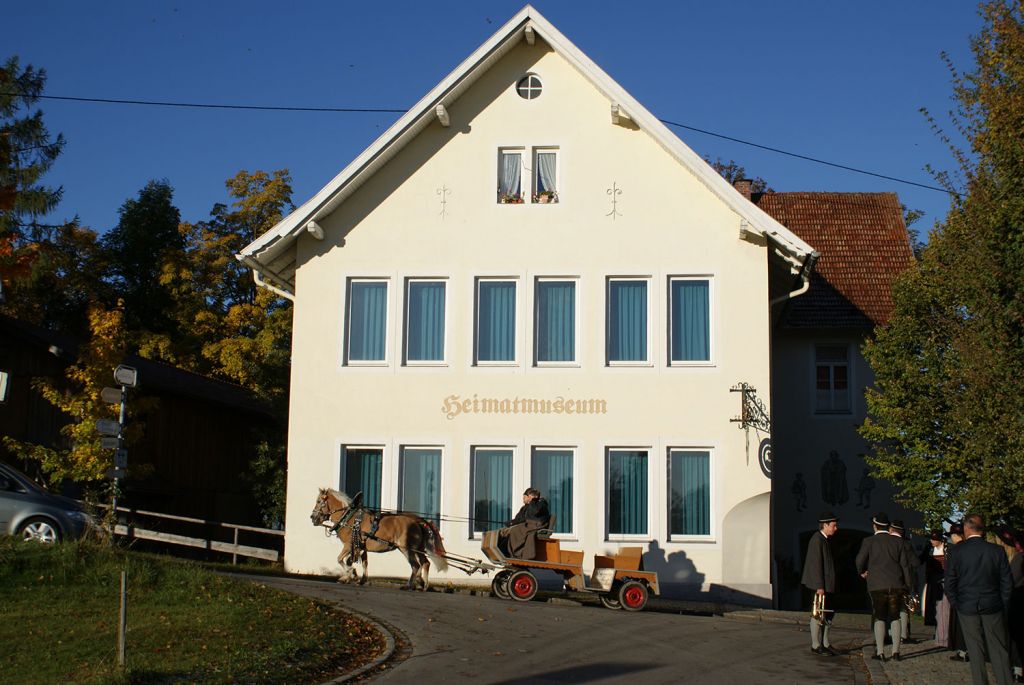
pixel 528 280
pixel 819 377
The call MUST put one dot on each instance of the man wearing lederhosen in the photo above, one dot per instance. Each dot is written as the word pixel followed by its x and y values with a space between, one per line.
pixel 882 561
pixel 898 530
pixel 820 576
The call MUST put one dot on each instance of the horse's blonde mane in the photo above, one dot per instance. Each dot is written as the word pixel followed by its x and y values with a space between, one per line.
pixel 341 496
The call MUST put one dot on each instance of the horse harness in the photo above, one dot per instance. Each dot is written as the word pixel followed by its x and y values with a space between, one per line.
pixel 357 542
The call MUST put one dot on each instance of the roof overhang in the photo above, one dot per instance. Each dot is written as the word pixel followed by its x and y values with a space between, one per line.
pixel 272 256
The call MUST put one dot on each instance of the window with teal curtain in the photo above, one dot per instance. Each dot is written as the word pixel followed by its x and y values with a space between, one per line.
pixel 556 321
pixel 691 320
pixel 419 487
pixel 627 321
pixel 551 473
pixel 361 473
pixel 424 331
pixel 496 321
pixel 492 488
pixel 627 492
pixel 690 492
pixel 367 320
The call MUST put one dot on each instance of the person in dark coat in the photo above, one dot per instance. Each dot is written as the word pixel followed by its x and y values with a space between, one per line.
pixel 520 536
pixel 882 562
pixel 1015 553
pixel 897 529
pixel 933 557
pixel 979 585
pixel 820 577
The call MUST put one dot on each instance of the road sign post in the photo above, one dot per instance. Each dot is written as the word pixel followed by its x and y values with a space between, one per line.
pixel 113 431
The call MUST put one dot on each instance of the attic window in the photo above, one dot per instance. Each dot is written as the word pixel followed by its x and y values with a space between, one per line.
pixel 529 87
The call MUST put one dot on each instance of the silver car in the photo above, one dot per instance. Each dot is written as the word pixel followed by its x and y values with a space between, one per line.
pixel 30 512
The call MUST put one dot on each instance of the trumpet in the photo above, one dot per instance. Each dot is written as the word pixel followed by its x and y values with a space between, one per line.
pixel 818 611
pixel 912 603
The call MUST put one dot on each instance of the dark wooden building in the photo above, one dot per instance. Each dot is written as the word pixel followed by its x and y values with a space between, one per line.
pixel 199 438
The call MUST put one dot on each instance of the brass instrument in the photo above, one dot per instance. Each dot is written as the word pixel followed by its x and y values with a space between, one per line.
pixel 818 611
pixel 912 603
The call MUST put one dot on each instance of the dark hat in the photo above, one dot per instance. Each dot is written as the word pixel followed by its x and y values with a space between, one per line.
pixel 956 529
pixel 881 519
pixel 827 517
pixel 1008 538
pixel 897 524
pixel 935 535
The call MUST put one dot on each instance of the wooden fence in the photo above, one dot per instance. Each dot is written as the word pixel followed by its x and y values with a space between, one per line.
pixel 137 524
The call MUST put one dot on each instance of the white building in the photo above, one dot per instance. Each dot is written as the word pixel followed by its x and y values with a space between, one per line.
pixel 529 280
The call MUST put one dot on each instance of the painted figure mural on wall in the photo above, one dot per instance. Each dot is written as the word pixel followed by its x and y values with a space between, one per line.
pixel 834 490
pixel 864 488
pixel 799 490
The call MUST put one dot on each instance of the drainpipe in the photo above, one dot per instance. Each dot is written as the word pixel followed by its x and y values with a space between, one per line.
pixel 805 276
pixel 257 276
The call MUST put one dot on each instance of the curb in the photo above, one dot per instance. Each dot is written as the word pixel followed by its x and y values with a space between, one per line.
pixel 874 668
pixel 389 647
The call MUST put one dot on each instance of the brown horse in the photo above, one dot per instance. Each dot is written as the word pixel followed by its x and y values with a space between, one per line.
pixel 416 537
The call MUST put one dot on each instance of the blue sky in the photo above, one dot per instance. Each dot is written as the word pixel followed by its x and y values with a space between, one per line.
pixel 840 81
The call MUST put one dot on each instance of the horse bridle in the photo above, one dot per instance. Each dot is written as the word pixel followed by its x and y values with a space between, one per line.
pixel 322 512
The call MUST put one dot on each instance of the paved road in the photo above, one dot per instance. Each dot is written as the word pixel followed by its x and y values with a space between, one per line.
pixel 473 639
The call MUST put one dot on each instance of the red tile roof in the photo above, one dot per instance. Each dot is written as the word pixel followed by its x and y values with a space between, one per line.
pixel 863 244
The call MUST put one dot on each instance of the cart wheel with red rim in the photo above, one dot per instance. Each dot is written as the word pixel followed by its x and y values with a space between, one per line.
pixel 522 586
pixel 633 595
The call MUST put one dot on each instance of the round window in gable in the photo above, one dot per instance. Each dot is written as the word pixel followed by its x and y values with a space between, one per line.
pixel 529 87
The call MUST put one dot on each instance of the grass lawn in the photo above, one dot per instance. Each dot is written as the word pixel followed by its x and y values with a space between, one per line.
pixel 59 612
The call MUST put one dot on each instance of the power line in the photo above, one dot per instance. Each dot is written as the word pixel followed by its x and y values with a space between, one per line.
pixel 370 110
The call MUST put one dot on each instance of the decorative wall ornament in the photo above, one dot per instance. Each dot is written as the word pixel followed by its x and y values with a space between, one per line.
pixel 444 192
pixel 764 457
pixel 799 490
pixel 834 489
pixel 864 488
pixel 754 415
pixel 614 191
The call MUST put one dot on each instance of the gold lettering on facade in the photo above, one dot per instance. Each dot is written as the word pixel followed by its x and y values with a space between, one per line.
pixel 456 405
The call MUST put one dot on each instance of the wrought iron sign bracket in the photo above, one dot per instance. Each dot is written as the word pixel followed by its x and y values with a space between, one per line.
pixel 753 413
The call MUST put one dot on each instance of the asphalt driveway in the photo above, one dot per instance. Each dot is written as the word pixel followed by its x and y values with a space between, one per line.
pixel 474 639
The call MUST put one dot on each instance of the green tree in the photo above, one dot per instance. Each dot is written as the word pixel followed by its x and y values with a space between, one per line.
pixel 946 415
pixel 732 172
pixel 135 251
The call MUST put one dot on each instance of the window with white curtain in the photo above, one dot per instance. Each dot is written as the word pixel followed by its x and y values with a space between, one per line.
pixel 424 321
pixel 626 493
pixel 510 176
pixel 689 476
pixel 366 321
pixel 545 175
pixel 361 472
pixel 551 473
pixel 690 314
pixel 627 321
pixel 491 488
pixel 419 482
pixel 555 321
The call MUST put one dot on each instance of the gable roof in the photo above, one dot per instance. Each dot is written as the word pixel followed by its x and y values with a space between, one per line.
pixel 863 244
pixel 272 255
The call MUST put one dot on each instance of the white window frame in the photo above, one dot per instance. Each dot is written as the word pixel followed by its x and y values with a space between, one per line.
pixel 346 332
pixel 712 490
pixel 535 173
pixel 516 469
pixel 476 321
pixel 524 174
pixel 575 280
pixel 710 361
pixel 4 385
pixel 572 534
pixel 400 473
pixel 651 494
pixel 343 448
pixel 405 327
pixel 534 91
pixel 648 361
pixel 815 409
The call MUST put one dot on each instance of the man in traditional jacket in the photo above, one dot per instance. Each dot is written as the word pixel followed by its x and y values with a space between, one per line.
pixel 897 529
pixel 882 560
pixel 979 585
pixel 520 537
pixel 820 576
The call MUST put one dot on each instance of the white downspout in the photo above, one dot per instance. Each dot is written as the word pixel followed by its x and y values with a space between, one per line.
pixel 805 276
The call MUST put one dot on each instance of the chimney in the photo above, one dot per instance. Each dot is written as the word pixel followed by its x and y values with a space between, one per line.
pixel 743 186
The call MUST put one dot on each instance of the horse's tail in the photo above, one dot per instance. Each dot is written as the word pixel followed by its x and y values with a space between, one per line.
pixel 435 546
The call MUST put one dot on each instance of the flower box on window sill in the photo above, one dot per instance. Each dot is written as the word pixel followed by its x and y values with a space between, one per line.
pixel 546 197
pixel 510 198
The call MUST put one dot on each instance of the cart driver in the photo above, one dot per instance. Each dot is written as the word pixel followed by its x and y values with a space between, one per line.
pixel 519 539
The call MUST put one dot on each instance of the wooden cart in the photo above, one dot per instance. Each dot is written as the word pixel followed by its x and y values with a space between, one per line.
pixel 618 581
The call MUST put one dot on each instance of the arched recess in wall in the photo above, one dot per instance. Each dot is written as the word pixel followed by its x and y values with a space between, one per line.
pixel 746 547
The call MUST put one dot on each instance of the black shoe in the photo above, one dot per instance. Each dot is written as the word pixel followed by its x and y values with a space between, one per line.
pixel 957 657
pixel 909 641
pixel 879 657
pixel 827 650
pixel 818 651
pixel 895 656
